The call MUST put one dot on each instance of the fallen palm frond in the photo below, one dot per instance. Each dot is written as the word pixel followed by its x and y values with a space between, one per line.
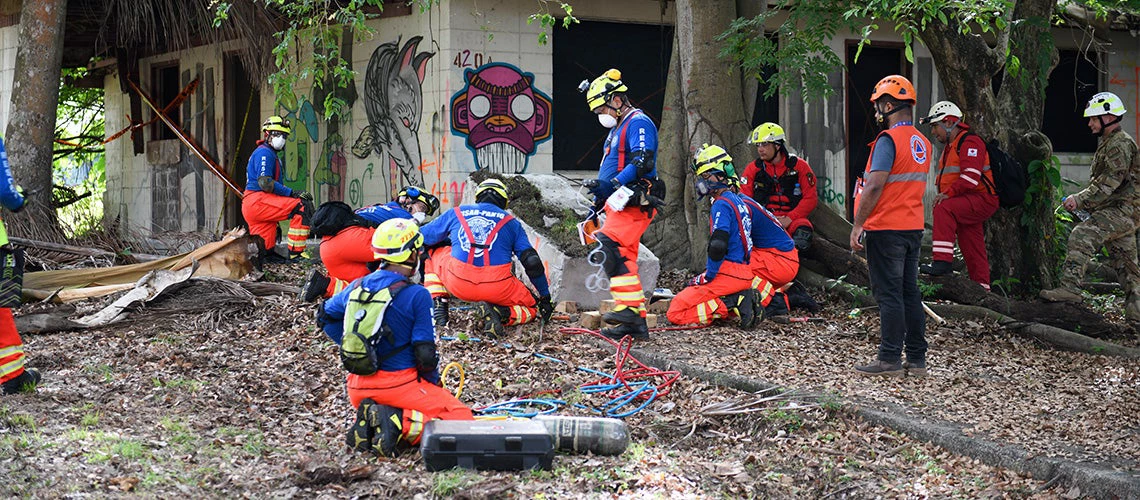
pixel 754 402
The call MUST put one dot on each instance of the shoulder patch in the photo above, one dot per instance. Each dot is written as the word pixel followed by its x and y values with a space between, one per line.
pixel 811 179
pixel 918 149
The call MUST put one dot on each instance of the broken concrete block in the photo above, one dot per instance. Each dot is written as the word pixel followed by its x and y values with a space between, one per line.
pixel 660 306
pixel 605 306
pixel 567 307
pixel 651 320
pixel 590 319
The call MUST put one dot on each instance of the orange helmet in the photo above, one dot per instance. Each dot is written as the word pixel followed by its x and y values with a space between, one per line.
pixel 896 86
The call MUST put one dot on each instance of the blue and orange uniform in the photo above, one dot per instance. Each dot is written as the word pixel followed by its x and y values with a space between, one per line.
pixel 13 375
pixel 732 273
pixel 348 253
pixel 265 206
pixel 774 260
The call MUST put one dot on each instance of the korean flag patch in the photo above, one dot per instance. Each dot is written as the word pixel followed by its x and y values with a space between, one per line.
pixel 972 152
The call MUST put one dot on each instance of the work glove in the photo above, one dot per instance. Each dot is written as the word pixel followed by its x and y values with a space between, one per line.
pixel 699 279
pixel 545 309
pixel 20 189
pixel 304 195
pixel 591 186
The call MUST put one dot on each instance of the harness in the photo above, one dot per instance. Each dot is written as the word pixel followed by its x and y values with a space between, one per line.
pixel 772 187
pixel 486 245
pixel 745 240
pixel 621 139
pixel 363 319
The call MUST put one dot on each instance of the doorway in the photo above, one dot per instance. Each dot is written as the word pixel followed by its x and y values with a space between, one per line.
pixel 874 63
pixel 243 129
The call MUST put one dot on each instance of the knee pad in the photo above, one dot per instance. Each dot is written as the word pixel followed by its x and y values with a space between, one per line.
pixel 611 259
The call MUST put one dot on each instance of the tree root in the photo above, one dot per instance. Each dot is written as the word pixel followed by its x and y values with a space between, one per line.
pixel 1049 334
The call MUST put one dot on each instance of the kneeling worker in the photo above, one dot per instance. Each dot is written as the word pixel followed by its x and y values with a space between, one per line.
pixel 477 265
pixel 725 288
pixel 403 392
pixel 267 201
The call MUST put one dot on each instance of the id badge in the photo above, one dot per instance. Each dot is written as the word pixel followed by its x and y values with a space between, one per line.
pixel 619 199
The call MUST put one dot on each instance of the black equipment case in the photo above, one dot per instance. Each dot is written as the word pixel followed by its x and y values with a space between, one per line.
pixel 486 445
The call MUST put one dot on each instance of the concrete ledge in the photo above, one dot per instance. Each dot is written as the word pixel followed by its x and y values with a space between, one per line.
pixel 1094 480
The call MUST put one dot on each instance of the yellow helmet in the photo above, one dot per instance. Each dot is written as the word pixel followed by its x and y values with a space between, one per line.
pixel 494 185
pixel 710 158
pixel 276 124
pixel 396 240
pixel 600 90
pixel 766 132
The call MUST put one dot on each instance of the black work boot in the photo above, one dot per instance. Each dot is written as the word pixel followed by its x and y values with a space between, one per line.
pixel 440 307
pixel 743 304
pixel 624 315
pixel 937 268
pixel 778 306
pixel 24 383
pixel 315 286
pixel 359 436
pixel 492 318
pixel 802 238
pixel 387 425
pixel 637 330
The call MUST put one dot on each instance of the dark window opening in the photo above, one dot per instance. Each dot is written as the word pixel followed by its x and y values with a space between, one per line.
pixel 1071 84
pixel 767 109
pixel 583 53
pixel 164 89
pixel 874 63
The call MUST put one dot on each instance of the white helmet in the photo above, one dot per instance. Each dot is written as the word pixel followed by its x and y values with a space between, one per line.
pixel 1105 103
pixel 940 110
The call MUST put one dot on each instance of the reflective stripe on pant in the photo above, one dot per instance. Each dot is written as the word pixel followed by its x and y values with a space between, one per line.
pixel 962 218
pixel 262 211
pixel 625 228
pixel 493 284
pixel 347 254
pixel 404 389
pixel 701 304
pixel 11 347
pixel 773 270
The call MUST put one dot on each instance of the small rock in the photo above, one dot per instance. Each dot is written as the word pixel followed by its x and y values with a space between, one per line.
pixel 549 221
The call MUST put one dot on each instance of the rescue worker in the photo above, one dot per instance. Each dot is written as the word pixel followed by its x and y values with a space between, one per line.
pixel 966 196
pixel 267 201
pixel 392 404
pixel 724 289
pixel 476 267
pixel 783 183
pixel 347 254
pixel 889 214
pixel 15 377
pixel 628 187
pixel 1112 199
pixel 774 259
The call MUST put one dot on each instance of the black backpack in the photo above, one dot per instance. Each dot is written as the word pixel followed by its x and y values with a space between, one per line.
pixel 332 217
pixel 1010 178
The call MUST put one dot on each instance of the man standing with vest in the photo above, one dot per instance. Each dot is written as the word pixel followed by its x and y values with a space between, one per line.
pixel 724 289
pixel 1113 200
pixel 477 266
pixel 347 254
pixel 889 218
pixel 393 403
pixel 267 201
pixel 628 187
pixel 783 183
pixel 966 197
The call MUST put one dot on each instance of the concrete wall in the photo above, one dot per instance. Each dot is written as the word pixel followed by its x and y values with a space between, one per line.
pixel 9 36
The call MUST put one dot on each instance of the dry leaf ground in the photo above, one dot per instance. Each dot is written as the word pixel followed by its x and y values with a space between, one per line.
pixel 252 404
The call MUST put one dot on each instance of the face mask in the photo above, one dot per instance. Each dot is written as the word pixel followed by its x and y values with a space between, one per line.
pixel 277 142
pixel 607 121
pixel 703 188
pixel 419 217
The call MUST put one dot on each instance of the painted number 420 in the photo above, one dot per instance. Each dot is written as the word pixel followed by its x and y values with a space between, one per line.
pixel 467 59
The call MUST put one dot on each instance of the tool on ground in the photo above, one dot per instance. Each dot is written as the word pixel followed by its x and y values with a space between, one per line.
pixel 487 445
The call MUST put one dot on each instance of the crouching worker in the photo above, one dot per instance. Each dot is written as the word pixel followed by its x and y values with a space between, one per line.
pixel 477 265
pixel 345 235
pixel 382 323
pixel 267 201
pixel 774 260
pixel 724 290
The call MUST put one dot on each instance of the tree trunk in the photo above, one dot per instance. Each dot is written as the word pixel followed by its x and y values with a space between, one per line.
pixel 707 107
pixel 967 66
pixel 35 95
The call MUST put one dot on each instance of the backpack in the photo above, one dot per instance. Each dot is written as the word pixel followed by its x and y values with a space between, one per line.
pixel 332 217
pixel 1010 178
pixel 364 328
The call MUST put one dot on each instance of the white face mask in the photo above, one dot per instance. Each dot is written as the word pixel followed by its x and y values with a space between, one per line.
pixel 419 217
pixel 277 142
pixel 607 121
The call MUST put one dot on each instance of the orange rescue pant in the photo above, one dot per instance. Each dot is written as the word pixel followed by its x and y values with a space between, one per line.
pixel 421 400
pixel 625 228
pixel 445 275
pixel 700 304
pixel 11 347
pixel 347 254
pixel 773 270
pixel 262 212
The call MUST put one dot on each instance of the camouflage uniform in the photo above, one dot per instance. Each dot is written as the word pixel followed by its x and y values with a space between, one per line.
pixel 1113 199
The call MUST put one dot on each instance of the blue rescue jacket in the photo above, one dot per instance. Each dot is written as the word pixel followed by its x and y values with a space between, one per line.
pixel 265 163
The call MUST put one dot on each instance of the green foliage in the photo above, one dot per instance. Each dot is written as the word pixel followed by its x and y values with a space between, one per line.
pixel 929 290
pixel 1042 194
pixel 79 133
pixel 547 20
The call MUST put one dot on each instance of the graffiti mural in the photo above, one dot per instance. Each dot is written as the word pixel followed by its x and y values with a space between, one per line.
pixel 503 116
pixel 393 100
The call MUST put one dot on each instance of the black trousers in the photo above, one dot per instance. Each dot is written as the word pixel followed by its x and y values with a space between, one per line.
pixel 892 260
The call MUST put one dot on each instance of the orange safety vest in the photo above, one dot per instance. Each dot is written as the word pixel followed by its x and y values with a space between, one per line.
pixel 951 166
pixel 900 206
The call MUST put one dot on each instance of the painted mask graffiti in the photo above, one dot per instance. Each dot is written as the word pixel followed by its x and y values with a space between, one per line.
pixel 394 102
pixel 503 116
